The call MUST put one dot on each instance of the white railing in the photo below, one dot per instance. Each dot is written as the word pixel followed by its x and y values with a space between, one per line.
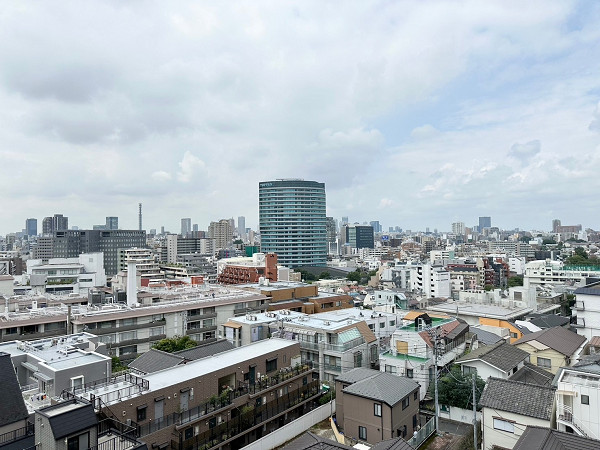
pixel 565 413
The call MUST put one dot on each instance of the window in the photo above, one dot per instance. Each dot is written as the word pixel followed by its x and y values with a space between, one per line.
pixel 544 362
pixel 514 335
pixel 468 370
pixel 358 359
pixel 585 399
pixel 409 373
pixel 271 365
pixel 362 433
pixel 390 369
pixel 381 324
pixel 504 425
pixel 416 395
pixel 377 411
pixel 405 402
pixel 141 413
pixel 77 382
pixel 392 323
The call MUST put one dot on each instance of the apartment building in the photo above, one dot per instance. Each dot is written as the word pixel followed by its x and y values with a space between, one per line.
pixel 197 311
pixel 553 273
pixel 145 261
pixel 176 245
pixel 225 401
pixel 587 308
pixel 578 398
pixel 247 269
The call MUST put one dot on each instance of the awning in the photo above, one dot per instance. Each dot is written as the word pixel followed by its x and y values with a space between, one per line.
pixel 42 376
pixel 29 366
pixel 232 325
pixel 571 393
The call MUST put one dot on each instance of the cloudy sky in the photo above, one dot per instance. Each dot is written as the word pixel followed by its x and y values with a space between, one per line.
pixel 413 113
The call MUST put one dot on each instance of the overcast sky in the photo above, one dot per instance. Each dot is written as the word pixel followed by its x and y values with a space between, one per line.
pixel 413 113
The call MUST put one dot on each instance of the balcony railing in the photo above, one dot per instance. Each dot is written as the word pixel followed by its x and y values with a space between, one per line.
pixel 564 413
pixel 333 347
pixel 15 435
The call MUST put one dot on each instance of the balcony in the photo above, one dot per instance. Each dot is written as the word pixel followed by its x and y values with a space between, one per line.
pixel 579 306
pixel 565 416
pixel 341 348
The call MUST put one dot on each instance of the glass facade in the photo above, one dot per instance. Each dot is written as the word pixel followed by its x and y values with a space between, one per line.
pixel 292 221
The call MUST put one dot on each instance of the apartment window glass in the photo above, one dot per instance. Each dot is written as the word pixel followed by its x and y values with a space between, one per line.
pixel 362 433
pixel 468 370
pixel 409 373
pixel 405 402
pixel 358 359
pixel 141 413
pixel 271 365
pixel 504 425
pixel 416 395
pixel 544 362
pixel 390 369
pixel 585 399
pixel 377 409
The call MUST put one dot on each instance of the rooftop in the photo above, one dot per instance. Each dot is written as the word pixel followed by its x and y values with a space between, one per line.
pixel 518 398
pixel 557 338
pixel 375 385
pixel 480 310
pixel 502 355
pixel 539 438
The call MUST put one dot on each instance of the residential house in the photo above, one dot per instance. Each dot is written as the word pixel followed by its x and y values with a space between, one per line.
pixel 533 375
pixel 539 438
pixel 13 412
pixel 578 398
pixel 374 406
pixel 415 344
pixel 552 348
pixel 509 406
pixel 500 360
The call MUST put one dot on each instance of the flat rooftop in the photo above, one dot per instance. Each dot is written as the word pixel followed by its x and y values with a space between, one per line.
pixel 479 310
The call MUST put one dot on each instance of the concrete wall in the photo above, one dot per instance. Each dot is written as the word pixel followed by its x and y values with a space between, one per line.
pixel 293 429
pixel 501 438
pixel 458 414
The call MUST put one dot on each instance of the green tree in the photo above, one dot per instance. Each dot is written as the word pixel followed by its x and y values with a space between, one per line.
pixel 548 241
pixel 455 389
pixel 489 287
pixel 354 276
pixel 517 280
pixel 175 344
pixel 117 365
pixel 324 275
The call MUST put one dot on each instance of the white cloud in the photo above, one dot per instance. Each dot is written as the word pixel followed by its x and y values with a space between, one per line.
pixel 161 175
pixel 189 166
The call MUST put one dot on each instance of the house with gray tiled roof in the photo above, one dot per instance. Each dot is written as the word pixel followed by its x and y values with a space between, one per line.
pixel 538 438
pixel 533 375
pixel 500 360
pixel 373 406
pixel 509 406
pixel 552 348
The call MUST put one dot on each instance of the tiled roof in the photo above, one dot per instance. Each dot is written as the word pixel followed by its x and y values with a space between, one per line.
pixel 310 441
pixel 595 341
pixel 448 330
pixel 12 406
pixel 486 337
pixel 380 386
pixel 205 350
pixel 550 320
pixel 519 398
pixel 533 375
pixel 71 421
pixel 538 438
pixel 154 360
pixel 392 444
pixel 557 338
pixel 501 355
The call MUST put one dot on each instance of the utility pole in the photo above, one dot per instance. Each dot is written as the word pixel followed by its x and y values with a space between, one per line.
pixel 433 333
pixel 474 414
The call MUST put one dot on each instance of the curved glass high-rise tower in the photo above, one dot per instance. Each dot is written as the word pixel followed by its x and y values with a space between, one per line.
pixel 292 223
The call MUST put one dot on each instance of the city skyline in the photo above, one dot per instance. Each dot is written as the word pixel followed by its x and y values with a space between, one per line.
pixel 413 114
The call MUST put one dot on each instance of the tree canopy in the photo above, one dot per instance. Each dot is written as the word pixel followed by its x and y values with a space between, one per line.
pixel 581 258
pixel 354 276
pixel 455 389
pixel 175 344
pixel 517 280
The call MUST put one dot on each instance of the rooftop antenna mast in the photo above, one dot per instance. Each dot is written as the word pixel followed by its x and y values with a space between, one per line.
pixel 140 216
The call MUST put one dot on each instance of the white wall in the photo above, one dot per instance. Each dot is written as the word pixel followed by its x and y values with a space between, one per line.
pixel 506 439
pixel 458 414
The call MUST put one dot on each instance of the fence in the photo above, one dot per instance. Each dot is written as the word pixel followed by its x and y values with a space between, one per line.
pixel 423 434
pixel 292 429
pixel 17 434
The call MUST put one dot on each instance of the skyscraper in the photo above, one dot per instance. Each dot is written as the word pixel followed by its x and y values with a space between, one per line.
pixel 58 222
pixel 241 228
pixel 112 223
pixel 31 227
pixel 292 222
pixel 186 226
pixel 485 222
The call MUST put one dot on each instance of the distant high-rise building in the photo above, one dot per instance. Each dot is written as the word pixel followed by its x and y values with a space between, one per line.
pixel 31 227
pixel 376 227
pixel 344 220
pixel 484 222
pixel 360 236
pixel 221 232
pixel 162 229
pixel 555 225
pixel 58 222
pixel 186 226
pixel 292 221
pixel 331 229
pixel 195 228
pixel 112 223
pixel 458 228
pixel 241 228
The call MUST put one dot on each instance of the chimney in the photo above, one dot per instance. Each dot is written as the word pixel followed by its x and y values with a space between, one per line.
pixel 131 283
